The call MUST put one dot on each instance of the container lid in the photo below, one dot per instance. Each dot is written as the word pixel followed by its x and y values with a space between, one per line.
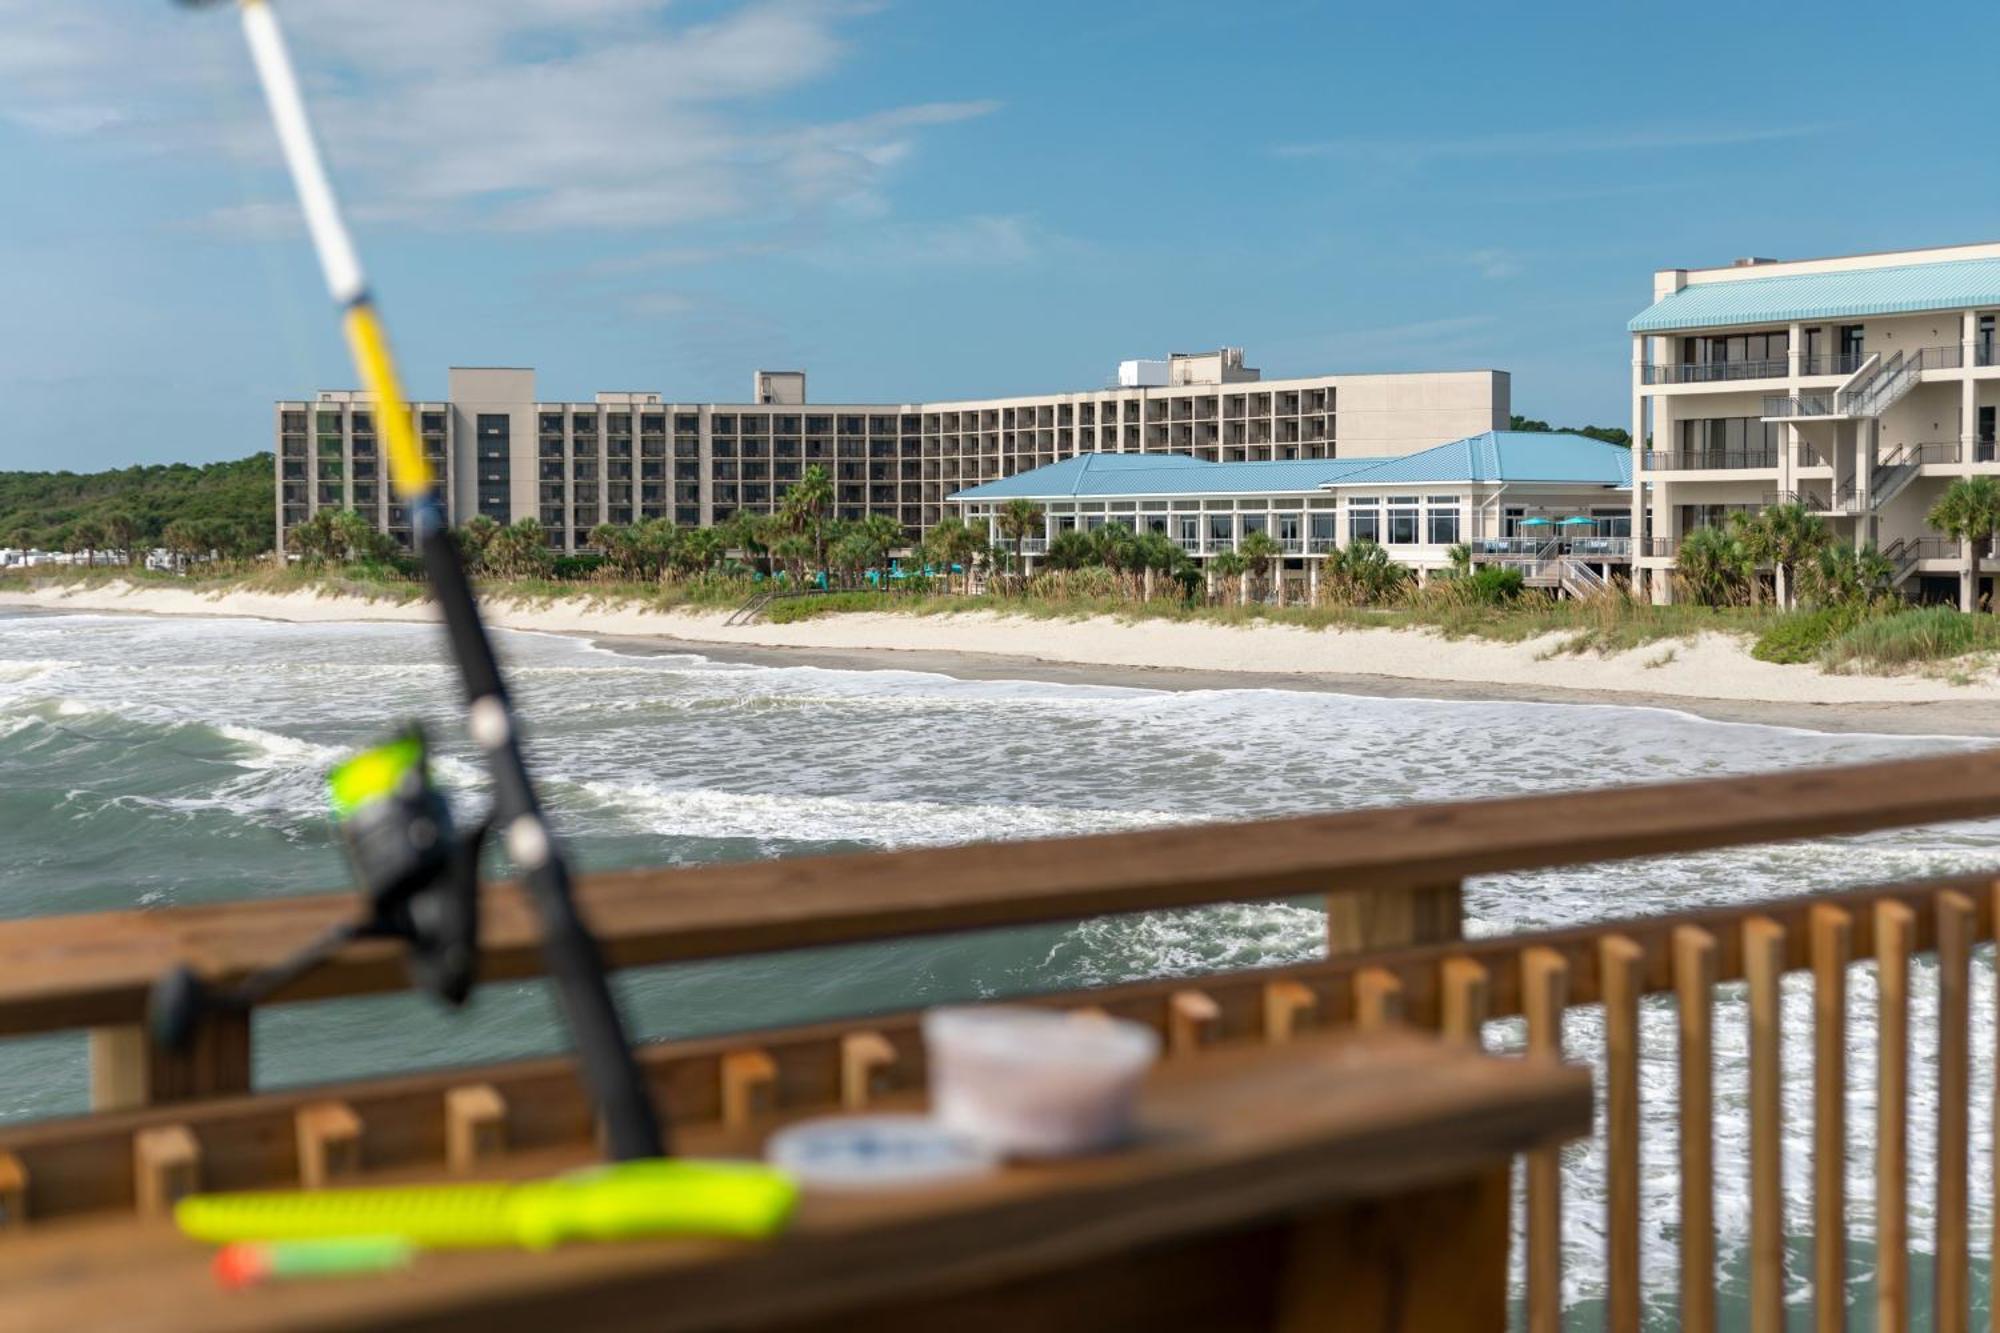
pixel 875 1152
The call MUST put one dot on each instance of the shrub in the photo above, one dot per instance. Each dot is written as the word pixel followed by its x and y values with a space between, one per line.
pixel 1804 635
pixel 1496 585
pixel 1929 634
pixel 571 567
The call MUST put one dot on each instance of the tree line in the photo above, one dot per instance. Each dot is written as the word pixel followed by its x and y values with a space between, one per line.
pixel 187 508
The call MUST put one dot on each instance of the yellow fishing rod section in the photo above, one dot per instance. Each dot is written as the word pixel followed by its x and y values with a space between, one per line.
pixel 368 342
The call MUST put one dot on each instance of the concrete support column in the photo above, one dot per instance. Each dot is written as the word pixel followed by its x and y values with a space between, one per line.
pixel 1968 388
pixel 1639 550
pixel 1312 580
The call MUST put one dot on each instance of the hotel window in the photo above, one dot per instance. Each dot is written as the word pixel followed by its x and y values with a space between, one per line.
pixel 1985 344
pixel 1189 527
pixel 1983 444
pixel 1323 531
pixel 1364 524
pixel 1441 518
pixel 1288 527
pixel 1221 528
pixel 1256 523
pixel 1402 520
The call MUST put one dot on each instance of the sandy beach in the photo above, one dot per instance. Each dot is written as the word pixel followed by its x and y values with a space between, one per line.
pixel 1713 676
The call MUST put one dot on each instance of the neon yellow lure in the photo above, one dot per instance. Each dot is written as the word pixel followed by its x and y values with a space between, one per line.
pixel 667 1196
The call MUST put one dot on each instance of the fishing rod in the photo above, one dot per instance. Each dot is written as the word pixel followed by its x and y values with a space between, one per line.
pixel 395 833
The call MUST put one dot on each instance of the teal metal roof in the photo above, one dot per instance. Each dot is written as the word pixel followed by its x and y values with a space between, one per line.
pixel 1496 456
pixel 1163 474
pixel 1504 456
pixel 1953 284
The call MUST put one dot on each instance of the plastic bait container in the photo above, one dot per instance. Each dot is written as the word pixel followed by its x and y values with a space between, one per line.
pixel 1027 1082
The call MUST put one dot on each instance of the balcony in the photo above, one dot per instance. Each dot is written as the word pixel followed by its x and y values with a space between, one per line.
pixel 1837 363
pixel 1715 372
pixel 1701 460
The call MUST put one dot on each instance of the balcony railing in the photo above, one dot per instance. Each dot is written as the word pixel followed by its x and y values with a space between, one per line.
pixel 1836 363
pixel 1696 460
pixel 1823 403
pixel 1689 372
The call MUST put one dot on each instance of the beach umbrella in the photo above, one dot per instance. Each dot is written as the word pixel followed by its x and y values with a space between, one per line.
pixel 1537 522
pixel 1578 521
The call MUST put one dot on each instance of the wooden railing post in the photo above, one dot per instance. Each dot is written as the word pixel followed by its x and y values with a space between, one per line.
pixel 127 1070
pixel 1358 921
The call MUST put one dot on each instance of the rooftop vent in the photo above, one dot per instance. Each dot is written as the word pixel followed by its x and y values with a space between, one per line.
pixel 1751 261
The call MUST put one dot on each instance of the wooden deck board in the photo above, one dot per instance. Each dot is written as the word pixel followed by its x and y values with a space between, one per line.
pixel 1232 1140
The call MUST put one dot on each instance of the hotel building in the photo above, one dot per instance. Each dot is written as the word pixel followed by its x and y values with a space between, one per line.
pixel 1858 385
pixel 1556 505
pixel 627 456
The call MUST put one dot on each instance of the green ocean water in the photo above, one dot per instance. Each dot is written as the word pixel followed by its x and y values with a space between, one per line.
pixel 147 762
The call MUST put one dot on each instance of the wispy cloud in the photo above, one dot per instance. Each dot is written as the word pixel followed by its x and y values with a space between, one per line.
pixel 1545 143
pixel 1493 263
pixel 523 115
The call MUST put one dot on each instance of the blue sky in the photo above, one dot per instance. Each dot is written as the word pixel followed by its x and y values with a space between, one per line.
pixel 925 199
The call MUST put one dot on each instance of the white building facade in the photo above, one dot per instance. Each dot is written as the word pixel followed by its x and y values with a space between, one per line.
pixel 629 456
pixel 1556 504
pixel 1859 386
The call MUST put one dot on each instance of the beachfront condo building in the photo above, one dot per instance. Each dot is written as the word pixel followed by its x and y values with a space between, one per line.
pixel 1557 506
pixel 628 456
pixel 1859 386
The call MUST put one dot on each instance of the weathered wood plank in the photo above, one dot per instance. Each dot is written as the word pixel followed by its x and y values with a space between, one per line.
pixel 1545 983
pixel 1694 972
pixel 1619 970
pixel 1832 950
pixel 1895 931
pixel 1232 1139
pixel 1763 964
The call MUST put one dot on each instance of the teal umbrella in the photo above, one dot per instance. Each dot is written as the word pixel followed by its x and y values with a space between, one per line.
pixel 1536 522
pixel 1578 521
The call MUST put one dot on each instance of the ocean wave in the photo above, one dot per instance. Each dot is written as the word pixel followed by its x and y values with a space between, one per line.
pixel 701 812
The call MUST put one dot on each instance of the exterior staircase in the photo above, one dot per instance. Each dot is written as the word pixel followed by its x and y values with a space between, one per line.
pixel 1904 555
pixel 1581 580
pixel 1893 472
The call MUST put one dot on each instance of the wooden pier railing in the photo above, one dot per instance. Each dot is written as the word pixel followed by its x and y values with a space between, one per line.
pixel 1392 879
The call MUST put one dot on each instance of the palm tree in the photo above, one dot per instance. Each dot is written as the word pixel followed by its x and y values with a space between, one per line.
pixel 1016 521
pixel 1156 553
pixel 520 549
pixel 1072 549
pixel 617 542
pixel 1969 510
pixel 354 536
pixel 1259 549
pixel 1231 568
pixel 953 542
pixel 885 534
pixel 806 507
pixel 1713 566
pixel 1796 536
pixel 85 537
pixel 183 542
pixel 1756 546
pixel 1843 576
pixel 1365 572
pixel 121 533
pixel 476 540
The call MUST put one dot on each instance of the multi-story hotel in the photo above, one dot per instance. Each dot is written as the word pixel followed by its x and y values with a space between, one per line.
pixel 1858 385
pixel 628 456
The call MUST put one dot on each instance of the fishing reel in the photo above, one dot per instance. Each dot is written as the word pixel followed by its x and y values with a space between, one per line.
pixel 419 879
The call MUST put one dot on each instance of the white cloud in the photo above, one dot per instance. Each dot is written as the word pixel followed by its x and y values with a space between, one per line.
pixel 1493 263
pixel 528 115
